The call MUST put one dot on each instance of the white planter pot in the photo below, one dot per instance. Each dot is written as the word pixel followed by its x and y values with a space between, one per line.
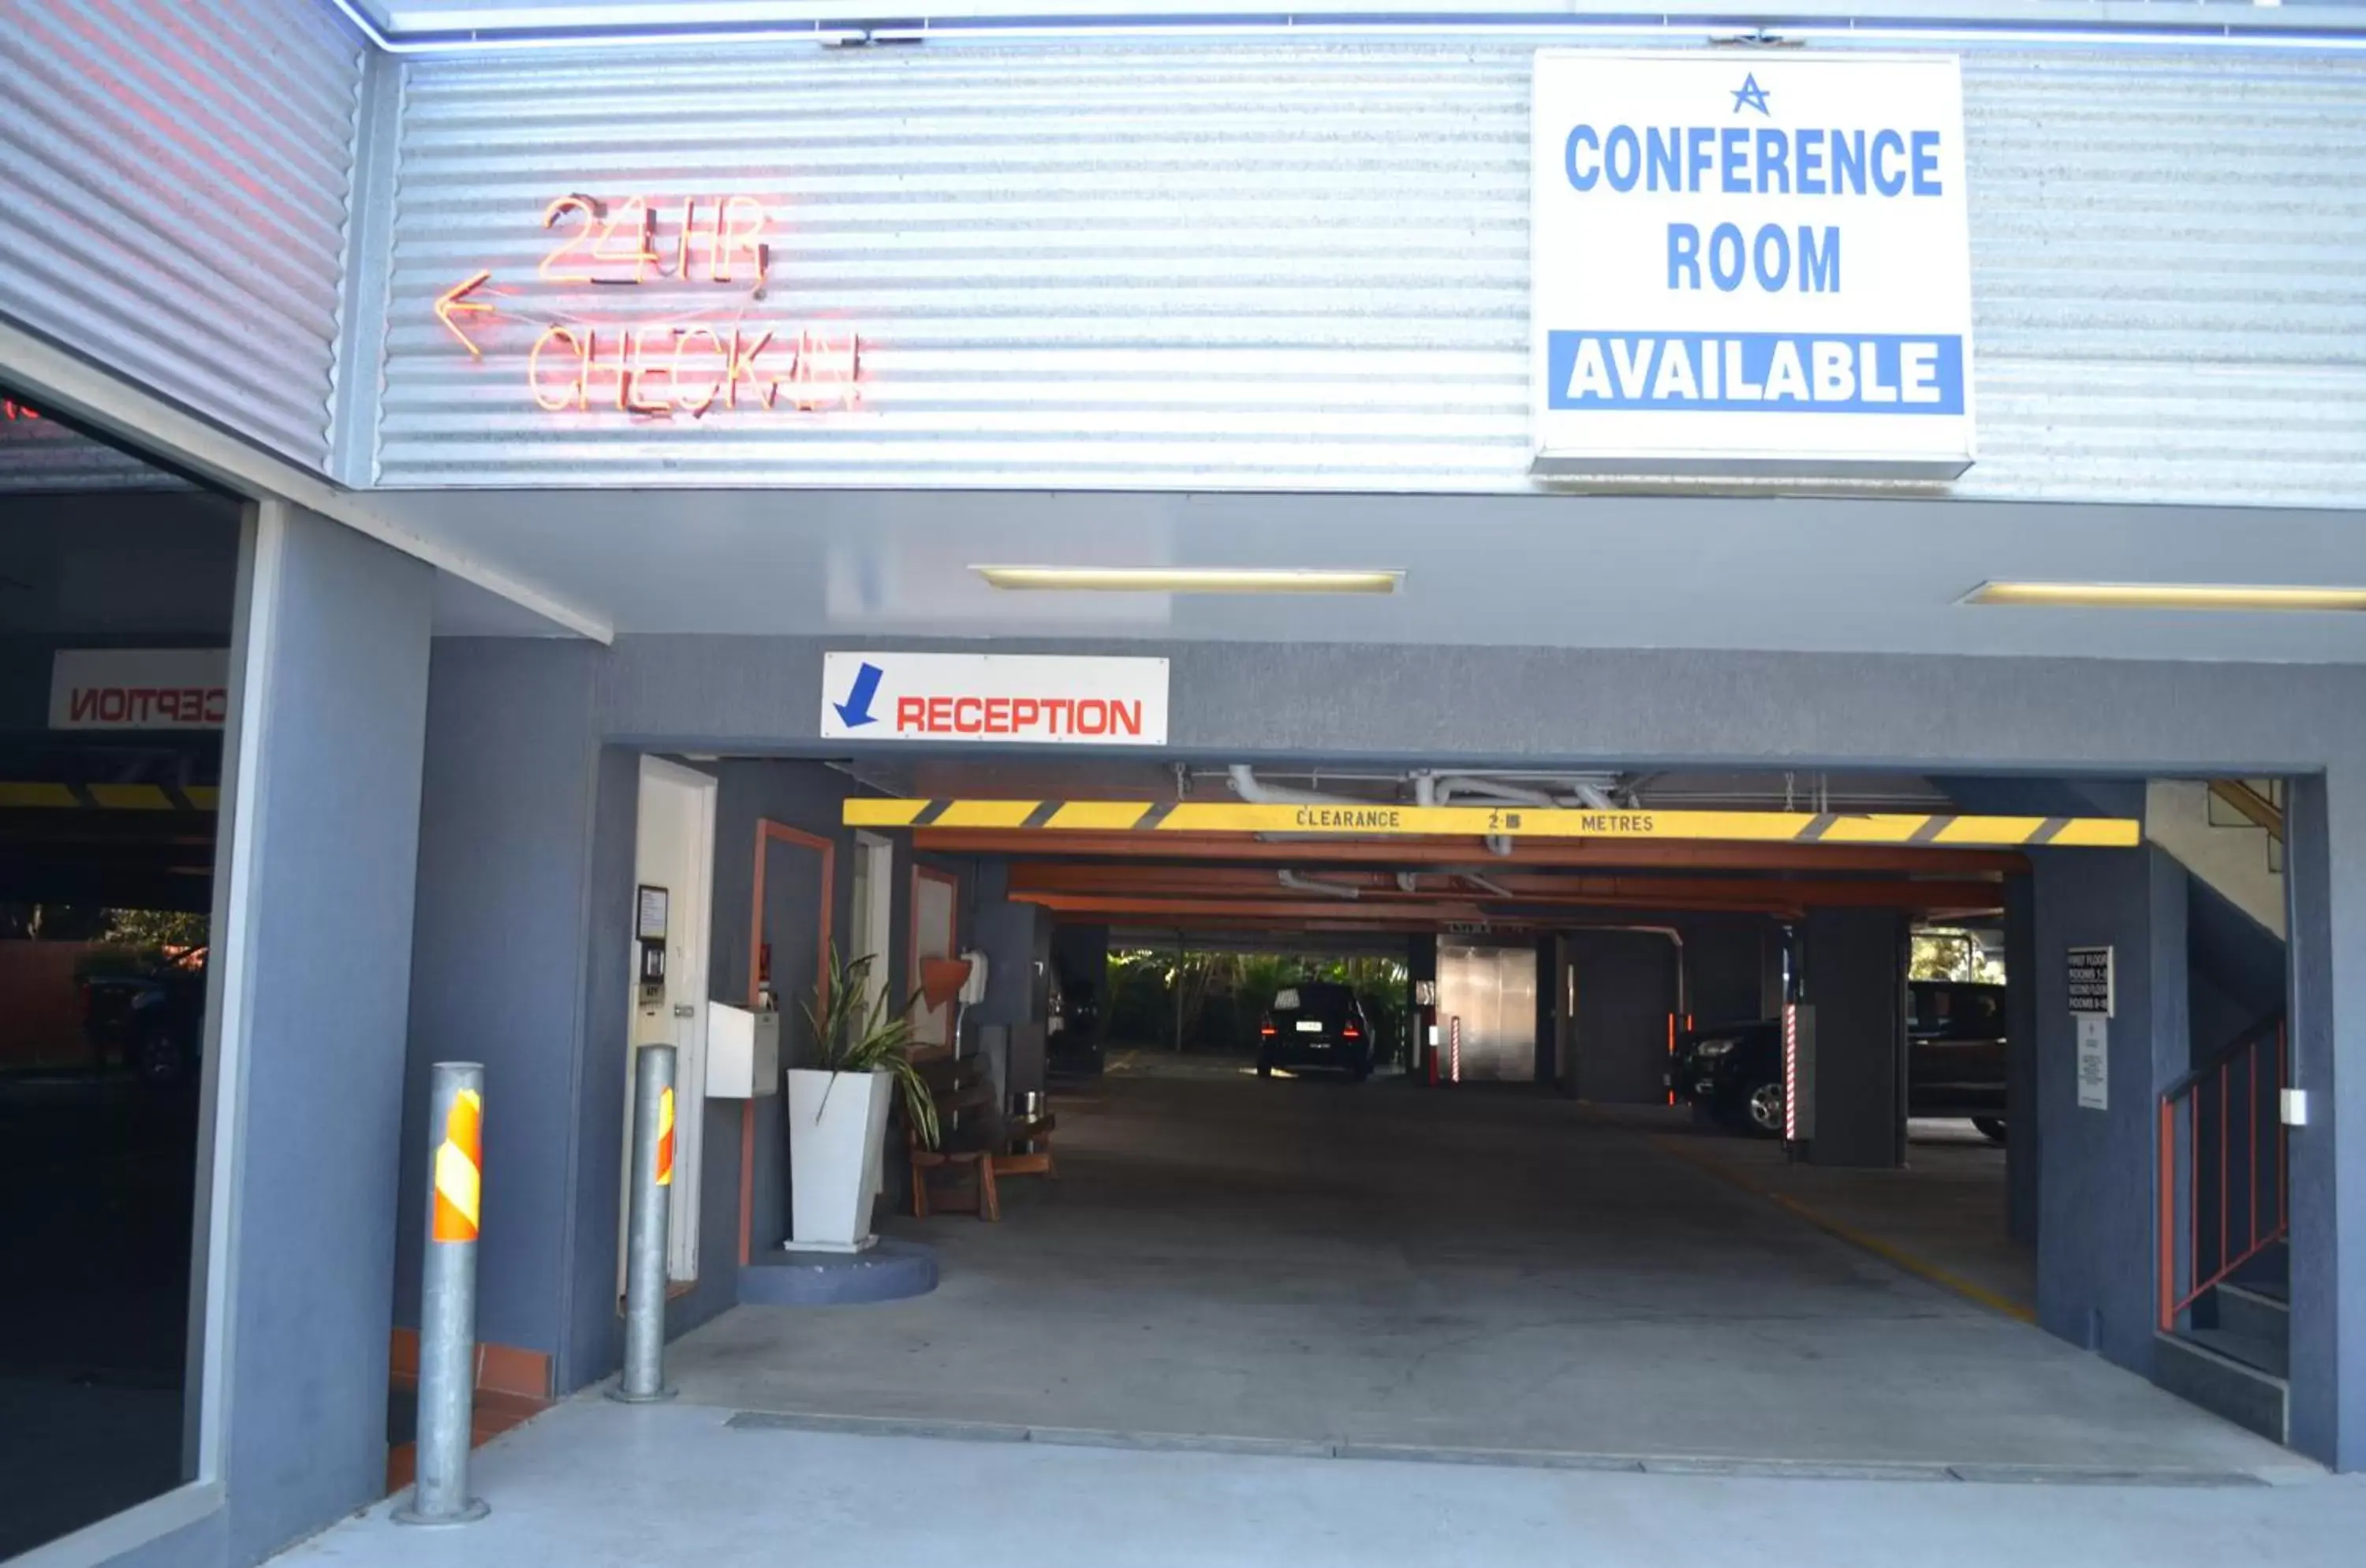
pixel 838 1130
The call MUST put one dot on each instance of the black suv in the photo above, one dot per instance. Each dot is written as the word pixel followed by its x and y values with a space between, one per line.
pixel 1315 1023
pixel 1954 1062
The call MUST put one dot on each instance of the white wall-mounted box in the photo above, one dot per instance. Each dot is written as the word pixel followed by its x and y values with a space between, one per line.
pixel 743 1053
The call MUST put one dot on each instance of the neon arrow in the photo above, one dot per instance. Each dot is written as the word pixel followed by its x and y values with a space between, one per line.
pixel 856 709
pixel 455 303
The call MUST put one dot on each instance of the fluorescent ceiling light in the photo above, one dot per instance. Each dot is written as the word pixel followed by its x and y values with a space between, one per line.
pixel 2167 596
pixel 1190 580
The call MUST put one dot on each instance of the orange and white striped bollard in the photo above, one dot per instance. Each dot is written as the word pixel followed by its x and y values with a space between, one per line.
pixel 447 1318
pixel 643 1380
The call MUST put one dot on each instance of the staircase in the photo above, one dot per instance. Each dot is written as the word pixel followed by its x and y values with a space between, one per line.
pixel 2229 833
pixel 2226 1305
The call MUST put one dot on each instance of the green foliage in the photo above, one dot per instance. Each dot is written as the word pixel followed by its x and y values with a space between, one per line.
pixel 857 1032
pixel 1224 995
pixel 1942 952
pixel 163 929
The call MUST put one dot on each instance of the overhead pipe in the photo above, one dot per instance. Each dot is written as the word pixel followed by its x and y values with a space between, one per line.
pixel 1584 790
pixel 1293 880
pixel 1486 884
pixel 1257 792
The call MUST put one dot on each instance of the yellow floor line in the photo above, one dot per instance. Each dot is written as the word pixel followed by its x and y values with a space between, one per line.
pixel 1897 1258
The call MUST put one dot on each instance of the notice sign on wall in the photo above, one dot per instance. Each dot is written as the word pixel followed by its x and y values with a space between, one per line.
pixel 140 688
pixel 1747 264
pixel 994 699
pixel 2089 974
pixel 2094 1062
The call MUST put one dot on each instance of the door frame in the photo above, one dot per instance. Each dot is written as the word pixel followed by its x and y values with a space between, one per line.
pixel 769 832
pixel 689 912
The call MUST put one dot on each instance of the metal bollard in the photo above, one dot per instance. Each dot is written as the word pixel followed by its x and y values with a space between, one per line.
pixel 448 1319
pixel 643 1382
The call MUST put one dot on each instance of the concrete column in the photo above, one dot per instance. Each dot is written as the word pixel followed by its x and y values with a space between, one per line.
pixel 1017 941
pixel 1855 976
pixel 1421 965
pixel 313 993
pixel 2022 1155
pixel 2097 1280
pixel 2325 824
pixel 1080 953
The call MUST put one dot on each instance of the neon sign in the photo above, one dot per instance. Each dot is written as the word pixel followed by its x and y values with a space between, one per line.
pixel 725 358
pixel 13 411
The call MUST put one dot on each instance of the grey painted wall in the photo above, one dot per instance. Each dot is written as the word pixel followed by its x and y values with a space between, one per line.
pixel 1641 706
pixel 333 866
pixel 2097 1283
pixel 497 953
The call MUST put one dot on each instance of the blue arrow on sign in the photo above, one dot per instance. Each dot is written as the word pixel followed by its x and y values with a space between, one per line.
pixel 856 709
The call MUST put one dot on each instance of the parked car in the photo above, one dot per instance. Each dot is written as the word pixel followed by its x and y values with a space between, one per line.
pixel 1315 1023
pixel 151 1020
pixel 1954 1062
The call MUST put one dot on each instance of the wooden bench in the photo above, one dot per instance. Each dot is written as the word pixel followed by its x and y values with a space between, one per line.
pixel 973 1135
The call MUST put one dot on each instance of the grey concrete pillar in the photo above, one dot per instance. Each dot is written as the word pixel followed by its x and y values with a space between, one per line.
pixel 2098 1283
pixel 1855 975
pixel 1421 968
pixel 2021 1154
pixel 1080 953
pixel 2325 824
pixel 1017 941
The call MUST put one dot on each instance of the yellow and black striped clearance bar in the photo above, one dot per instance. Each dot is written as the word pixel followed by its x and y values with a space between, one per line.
pixel 1382 820
pixel 108 797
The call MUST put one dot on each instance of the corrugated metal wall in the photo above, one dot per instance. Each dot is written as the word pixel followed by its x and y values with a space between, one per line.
pixel 1305 265
pixel 38 455
pixel 172 197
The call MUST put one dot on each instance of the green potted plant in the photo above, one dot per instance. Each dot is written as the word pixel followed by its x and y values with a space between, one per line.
pixel 838 1108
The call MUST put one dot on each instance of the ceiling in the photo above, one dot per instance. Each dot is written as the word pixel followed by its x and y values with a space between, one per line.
pixel 1797 573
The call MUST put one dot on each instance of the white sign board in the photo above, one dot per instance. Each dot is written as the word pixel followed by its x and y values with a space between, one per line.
pixel 2094 1062
pixel 2092 984
pixel 140 688
pixel 1001 699
pixel 1748 264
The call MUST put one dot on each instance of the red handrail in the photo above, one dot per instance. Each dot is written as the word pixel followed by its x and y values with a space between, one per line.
pixel 2194 1177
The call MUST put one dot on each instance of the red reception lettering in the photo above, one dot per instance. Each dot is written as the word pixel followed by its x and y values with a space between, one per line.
pixel 1127 716
pixel 911 713
pixel 84 704
pixel 967 716
pixel 217 706
pixel 1092 717
pixel 1025 714
pixel 940 714
pixel 998 715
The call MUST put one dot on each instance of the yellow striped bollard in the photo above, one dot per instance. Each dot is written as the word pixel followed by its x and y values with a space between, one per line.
pixel 447 1318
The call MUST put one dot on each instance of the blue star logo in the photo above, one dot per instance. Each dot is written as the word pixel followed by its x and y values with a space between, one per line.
pixel 1750 96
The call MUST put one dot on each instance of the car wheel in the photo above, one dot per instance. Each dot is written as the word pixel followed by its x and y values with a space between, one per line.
pixel 1264 1069
pixel 1763 1110
pixel 1991 1128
